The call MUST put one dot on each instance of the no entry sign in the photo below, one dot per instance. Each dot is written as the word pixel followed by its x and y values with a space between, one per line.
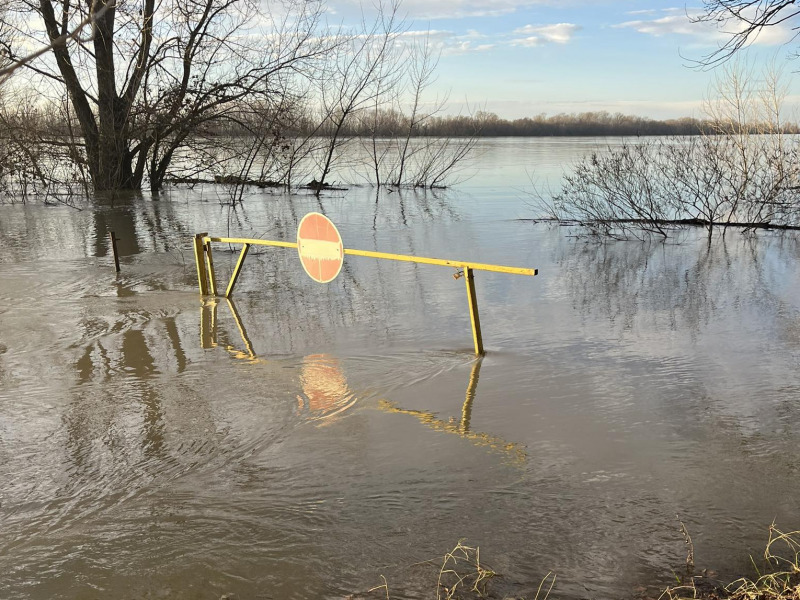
pixel 320 247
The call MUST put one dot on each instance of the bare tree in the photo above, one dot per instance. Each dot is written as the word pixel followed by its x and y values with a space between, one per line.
pixel 5 46
pixel 33 161
pixel 9 63
pixel 400 151
pixel 746 112
pixel 421 75
pixel 356 77
pixel 152 74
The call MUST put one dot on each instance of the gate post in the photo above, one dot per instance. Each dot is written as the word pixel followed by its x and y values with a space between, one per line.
pixel 473 311
pixel 200 260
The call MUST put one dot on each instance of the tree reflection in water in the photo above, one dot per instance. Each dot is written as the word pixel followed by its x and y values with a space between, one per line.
pixel 678 285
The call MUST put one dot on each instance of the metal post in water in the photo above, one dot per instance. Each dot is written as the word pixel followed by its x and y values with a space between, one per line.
pixel 200 261
pixel 237 270
pixel 473 311
pixel 113 239
pixel 212 278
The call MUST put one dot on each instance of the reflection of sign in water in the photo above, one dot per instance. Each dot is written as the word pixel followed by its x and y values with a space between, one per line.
pixel 320 247
pixel 325 391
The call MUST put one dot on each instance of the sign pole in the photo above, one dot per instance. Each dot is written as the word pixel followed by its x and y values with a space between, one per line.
pixel 473 312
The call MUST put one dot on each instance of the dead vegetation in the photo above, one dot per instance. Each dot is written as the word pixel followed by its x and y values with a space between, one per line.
pixel 460 575
pixel 777 579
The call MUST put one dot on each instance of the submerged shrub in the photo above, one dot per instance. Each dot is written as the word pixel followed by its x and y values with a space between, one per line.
pixel 707 180
pixel 743 171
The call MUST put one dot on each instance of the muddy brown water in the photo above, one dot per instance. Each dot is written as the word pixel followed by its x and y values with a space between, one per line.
pixel 307 439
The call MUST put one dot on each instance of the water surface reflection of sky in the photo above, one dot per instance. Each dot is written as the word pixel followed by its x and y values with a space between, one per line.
pixel 306 439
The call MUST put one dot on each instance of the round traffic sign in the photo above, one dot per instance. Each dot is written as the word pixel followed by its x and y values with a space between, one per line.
pixel 320 247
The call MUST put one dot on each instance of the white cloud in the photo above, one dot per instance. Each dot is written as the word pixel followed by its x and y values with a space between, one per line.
pixel 456 9
pixel 528 42
pixel 463 47
pixel 448 42
pixel 670 25
pixel 559 33
pixel 659 11
pixel 685 24
pixel 432 34
pixel 472 34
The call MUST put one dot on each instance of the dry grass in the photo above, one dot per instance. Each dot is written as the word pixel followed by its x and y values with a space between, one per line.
pixel 462 576
pixel 779 579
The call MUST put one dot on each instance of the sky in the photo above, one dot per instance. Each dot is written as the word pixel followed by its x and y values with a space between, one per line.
pixel 520 58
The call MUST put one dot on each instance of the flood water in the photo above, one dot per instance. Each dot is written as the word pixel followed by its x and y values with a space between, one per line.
pixel 305 440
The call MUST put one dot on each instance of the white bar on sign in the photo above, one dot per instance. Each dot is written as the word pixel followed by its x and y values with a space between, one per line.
pixel 320 250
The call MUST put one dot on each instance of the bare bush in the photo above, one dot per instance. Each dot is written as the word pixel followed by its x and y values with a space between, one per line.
pixel 744 171
pixel 35 162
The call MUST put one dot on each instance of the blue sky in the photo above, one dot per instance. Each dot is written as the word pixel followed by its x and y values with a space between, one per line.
pixel 524 57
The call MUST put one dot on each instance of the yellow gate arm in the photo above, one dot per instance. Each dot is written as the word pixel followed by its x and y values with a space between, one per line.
pixel 207 279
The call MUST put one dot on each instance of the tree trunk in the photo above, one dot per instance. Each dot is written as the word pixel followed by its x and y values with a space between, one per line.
pixel 114 169
pixel 105 134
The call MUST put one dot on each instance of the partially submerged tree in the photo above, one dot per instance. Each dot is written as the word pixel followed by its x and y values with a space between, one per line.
pixel 219 90
pixel 34 161
pixel 394 130
pixel 153 73
pixel 421 74
pixel 363 72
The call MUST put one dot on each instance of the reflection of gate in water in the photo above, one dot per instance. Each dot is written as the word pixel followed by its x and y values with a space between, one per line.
pixel 208 330
pixel 463 428
pixel 326 393
pixel 324 390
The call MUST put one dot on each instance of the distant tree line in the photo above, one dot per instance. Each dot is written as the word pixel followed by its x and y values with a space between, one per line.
pixel 599 123
pixel 388 123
